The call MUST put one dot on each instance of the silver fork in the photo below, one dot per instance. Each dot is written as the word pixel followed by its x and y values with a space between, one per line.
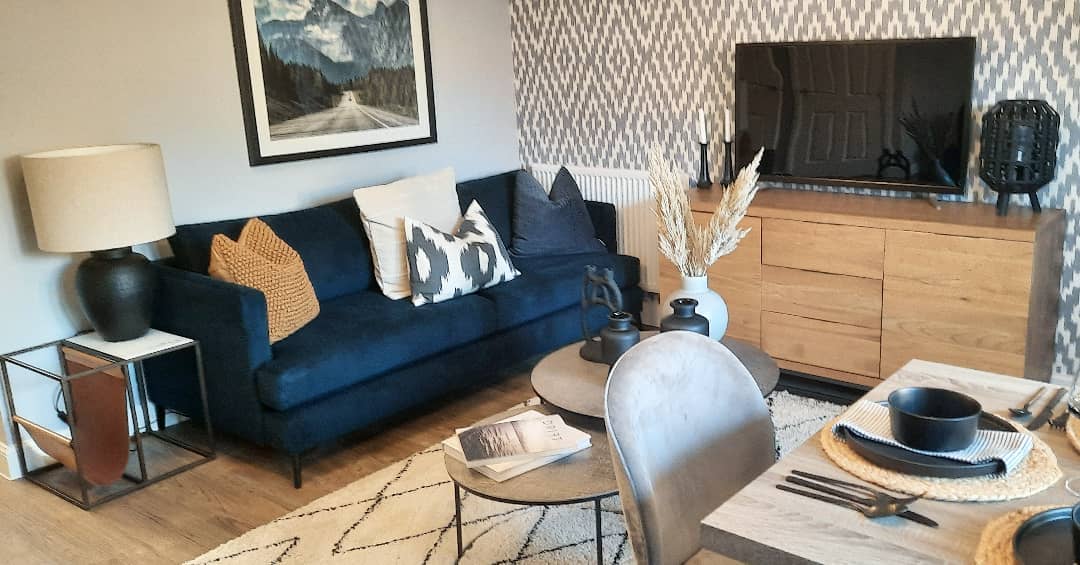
pixel 1059 421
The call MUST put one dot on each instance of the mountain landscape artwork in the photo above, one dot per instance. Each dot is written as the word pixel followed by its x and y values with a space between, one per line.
pixel 326 77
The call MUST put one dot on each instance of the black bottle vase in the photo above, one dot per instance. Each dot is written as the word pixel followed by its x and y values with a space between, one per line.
pixel 618 336
pixel 116 291
pixel 685 318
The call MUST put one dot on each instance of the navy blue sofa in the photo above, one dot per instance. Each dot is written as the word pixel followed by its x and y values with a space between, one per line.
pixel 365 358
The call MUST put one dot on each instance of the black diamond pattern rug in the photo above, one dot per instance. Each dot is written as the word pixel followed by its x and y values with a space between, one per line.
pixel 404 514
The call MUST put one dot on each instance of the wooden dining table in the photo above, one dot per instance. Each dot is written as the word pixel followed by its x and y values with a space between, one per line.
pixel 762 524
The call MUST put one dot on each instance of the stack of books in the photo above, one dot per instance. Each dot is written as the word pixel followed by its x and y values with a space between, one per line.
pixel 515 445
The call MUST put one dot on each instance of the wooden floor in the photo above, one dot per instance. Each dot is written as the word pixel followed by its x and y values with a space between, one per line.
pixel 187 515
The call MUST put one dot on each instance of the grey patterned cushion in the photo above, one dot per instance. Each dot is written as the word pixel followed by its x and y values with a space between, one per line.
pixel 444 266
pixel 551 224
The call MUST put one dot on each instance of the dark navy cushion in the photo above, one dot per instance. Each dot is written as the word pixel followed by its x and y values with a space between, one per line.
pixel 495 195
pixel 551 223
pixel 329 238
pixel 361 336
pixel 549 284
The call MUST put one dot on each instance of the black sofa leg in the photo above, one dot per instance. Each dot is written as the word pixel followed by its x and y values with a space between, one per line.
pixel 297 470
pixel 159 413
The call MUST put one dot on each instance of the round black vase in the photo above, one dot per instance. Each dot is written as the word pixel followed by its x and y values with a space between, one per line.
pixel 116 291
pixel 618 336
pixel 685 318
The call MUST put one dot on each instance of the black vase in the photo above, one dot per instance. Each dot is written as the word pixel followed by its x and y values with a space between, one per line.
pixel 618 337
pixel 685 318
pixel 116 291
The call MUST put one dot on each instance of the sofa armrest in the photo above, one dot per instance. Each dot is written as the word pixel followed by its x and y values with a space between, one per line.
pixel 230 323
pixel 604 218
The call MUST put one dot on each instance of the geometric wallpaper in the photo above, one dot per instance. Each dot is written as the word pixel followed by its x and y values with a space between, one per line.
pixel 598 82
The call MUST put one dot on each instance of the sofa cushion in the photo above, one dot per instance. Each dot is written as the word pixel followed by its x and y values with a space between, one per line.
pixel 259 259
pixel 548 284
pixel 443 266
pixel 431 199
pixel 495 195
pixel 551 223
pixel 329 238
pixel 361 336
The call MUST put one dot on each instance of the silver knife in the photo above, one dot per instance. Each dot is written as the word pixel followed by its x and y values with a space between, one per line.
pixel 1044 415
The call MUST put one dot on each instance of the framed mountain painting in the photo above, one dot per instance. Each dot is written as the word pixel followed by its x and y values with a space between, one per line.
pixel 328 77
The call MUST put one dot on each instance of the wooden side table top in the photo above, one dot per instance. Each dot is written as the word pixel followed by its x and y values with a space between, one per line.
pixel 584 476
pixel 762 524
pixel 566 380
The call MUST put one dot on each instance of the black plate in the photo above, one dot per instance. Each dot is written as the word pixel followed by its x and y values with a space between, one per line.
pixel 1045 538
pixel 909 463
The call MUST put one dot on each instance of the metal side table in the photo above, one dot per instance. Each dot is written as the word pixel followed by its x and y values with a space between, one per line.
pixel 159 454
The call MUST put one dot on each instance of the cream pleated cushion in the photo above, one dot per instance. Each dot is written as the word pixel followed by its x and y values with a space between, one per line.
pixel 431 199
pixel 261 260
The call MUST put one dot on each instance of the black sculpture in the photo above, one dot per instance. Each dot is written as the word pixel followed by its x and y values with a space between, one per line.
pixel 597 290
pixel 1019 149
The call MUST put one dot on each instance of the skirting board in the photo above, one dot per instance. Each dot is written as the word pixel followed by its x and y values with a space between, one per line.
pixel 9 460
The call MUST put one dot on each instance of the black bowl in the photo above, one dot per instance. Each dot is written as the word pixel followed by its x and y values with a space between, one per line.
pixel 933 419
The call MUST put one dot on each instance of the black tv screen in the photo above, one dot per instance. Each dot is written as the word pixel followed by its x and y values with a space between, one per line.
pixel 888 114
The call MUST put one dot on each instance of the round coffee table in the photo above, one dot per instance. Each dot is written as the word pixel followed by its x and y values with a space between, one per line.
pixel 566 380
pixel 585 476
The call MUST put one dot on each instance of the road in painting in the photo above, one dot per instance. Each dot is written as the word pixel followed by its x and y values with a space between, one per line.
pixel 335 66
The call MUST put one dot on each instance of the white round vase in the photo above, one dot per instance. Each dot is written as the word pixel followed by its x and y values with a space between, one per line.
pixel 710 304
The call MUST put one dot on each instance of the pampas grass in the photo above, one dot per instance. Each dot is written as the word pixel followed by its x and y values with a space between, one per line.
pixel 693 248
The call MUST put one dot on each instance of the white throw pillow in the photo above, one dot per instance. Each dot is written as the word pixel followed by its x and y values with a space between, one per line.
pixel 431 199
pixel 444 265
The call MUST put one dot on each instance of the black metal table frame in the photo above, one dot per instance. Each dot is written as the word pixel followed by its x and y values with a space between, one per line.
pixel 594 499
pixel 125 365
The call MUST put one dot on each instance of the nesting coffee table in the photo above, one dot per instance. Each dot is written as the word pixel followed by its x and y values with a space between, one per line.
pixel 574 388
pixel 585 476
pixel 566 380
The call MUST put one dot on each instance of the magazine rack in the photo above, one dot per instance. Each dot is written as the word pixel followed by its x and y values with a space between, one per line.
pixel 99 384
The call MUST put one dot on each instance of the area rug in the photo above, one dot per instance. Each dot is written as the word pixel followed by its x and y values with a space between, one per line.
pixel 404 514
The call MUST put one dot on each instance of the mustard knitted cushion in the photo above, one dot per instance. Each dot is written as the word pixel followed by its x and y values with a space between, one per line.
pixel 261 260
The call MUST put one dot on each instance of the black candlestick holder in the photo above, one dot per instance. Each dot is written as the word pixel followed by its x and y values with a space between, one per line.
pixel 729 164
pixel 704 180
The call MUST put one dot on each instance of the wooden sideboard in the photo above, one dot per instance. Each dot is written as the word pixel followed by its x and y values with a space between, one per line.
pixel 853 287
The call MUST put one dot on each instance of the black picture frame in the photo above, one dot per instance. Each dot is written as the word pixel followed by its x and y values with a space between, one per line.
pixel 258 154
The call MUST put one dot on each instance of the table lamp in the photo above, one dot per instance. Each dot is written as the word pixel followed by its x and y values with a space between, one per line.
pixel 103 200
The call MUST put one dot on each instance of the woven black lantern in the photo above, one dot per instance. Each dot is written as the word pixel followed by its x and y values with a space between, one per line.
pixel 1019 149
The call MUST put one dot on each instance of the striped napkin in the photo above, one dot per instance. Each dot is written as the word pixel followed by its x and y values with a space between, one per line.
pixel 870 420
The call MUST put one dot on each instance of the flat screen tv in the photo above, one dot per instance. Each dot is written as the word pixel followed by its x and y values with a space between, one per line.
pixel 885 114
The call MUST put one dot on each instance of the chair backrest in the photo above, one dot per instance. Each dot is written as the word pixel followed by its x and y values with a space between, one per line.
pixel 688 428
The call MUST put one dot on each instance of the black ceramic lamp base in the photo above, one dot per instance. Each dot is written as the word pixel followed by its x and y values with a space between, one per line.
pixel 116 291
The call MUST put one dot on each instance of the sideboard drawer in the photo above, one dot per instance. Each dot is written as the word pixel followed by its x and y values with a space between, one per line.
pixel 822 296
pixel 827 248
pixel 824 344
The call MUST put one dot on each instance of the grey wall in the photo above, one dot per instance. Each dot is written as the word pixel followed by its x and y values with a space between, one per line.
pixel 598 82
pixel 74 72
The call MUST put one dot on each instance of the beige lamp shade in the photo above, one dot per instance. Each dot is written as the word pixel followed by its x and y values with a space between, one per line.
pixel 97 198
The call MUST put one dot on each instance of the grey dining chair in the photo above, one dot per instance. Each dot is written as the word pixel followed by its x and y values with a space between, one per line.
pixel 688 428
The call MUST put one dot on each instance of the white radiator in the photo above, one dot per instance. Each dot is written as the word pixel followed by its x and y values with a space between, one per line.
pixel 631 194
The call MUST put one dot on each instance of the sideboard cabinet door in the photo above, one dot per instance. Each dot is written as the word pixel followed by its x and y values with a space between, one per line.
pixel 957 300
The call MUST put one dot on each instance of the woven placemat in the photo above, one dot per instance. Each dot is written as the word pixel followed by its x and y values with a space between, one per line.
pixel 1037 473
pixel 996 542
pixel 1072 429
